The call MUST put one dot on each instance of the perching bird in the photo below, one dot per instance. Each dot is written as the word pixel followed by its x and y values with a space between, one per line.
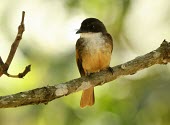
pixel 93 53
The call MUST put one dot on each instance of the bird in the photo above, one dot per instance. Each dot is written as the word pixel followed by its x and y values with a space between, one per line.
pixel 93 53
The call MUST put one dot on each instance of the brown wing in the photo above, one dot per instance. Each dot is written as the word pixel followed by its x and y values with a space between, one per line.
pixel 109 40
pixel 79 47
pixel 87 97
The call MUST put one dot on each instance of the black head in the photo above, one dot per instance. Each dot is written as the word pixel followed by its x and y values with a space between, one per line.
pixel 91 25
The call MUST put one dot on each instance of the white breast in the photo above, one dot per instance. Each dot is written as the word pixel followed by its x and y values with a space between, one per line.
pixel 93 41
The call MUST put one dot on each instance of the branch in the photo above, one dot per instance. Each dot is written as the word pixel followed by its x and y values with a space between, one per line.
pixel 49 93
pixel 5 66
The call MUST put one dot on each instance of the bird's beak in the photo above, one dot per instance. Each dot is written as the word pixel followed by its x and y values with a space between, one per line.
pixel 78 31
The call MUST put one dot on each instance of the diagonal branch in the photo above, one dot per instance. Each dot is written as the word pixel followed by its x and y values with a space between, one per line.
pixel 5 66
pixel 15 44
pixel 49 93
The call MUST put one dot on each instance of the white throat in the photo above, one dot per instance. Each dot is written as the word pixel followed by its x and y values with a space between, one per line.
pixel 93 41
pixel 90 35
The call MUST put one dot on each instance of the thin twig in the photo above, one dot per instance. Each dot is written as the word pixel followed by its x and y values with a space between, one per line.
pixel 5 66
pixel 21 75
pixel 16 42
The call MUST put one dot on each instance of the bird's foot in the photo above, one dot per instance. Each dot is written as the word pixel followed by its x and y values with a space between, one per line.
pixel 111 70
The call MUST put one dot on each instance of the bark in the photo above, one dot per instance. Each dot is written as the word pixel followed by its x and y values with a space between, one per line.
pixel 48 93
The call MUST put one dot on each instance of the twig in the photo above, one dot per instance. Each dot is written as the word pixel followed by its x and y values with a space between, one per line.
pixel 14 46
pixel 48 93
pixel 5 66
pixel 21 75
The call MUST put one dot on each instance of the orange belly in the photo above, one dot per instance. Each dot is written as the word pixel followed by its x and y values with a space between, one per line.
pixel 94 62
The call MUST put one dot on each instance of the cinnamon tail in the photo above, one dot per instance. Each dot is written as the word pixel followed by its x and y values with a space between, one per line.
pixel 87 98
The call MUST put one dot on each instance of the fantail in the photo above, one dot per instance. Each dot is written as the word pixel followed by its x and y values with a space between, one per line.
pixel 93 53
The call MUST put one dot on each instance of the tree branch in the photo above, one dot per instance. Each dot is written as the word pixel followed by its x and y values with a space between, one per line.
pixel 5 66
pixel 49 93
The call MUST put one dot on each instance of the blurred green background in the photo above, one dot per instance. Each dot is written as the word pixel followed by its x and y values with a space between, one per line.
pixel 48 44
